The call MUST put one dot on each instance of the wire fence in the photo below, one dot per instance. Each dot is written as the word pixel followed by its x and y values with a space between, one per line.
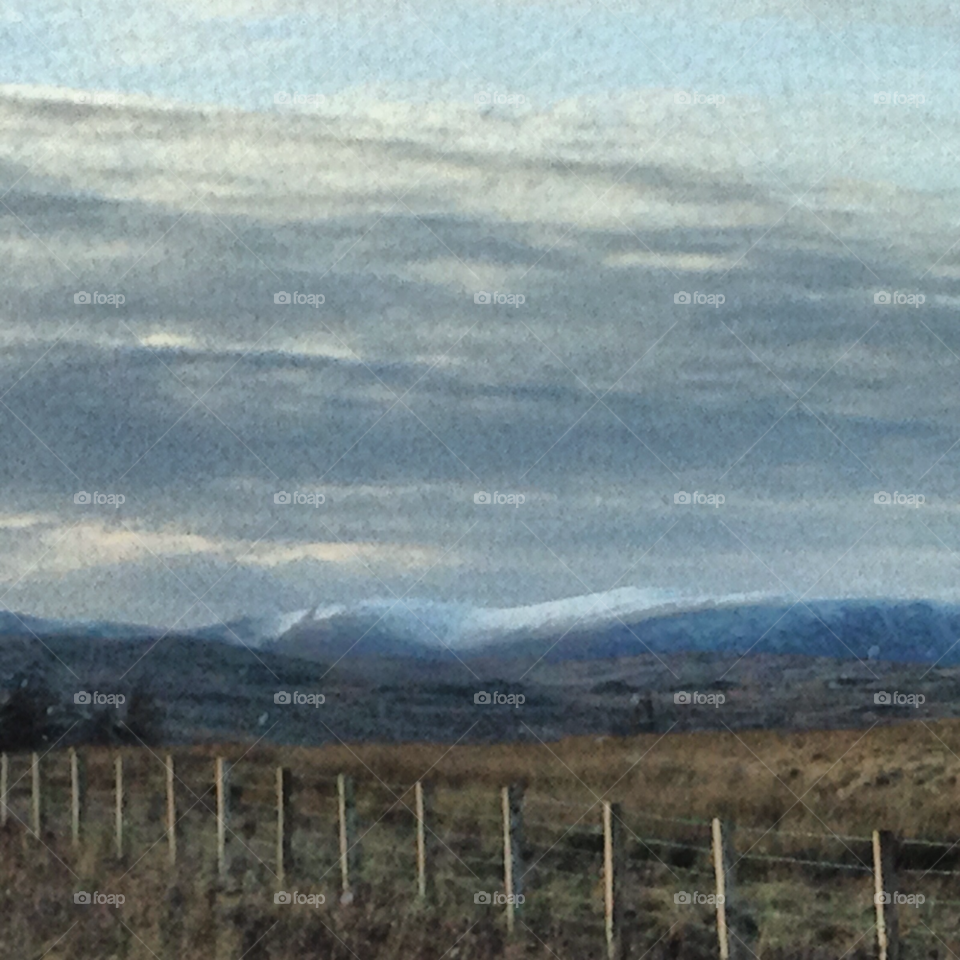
pixel 571 866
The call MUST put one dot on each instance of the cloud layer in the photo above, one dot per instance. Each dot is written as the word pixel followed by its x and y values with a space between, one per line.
pixel 600 398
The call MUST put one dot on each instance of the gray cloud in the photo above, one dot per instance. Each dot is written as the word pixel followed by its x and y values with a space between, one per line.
pixel 400 397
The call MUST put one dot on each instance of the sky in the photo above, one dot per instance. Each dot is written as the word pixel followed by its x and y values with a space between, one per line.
pixel 686 218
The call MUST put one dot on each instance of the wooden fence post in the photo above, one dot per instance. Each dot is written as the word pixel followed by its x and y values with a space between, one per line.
pixel 423 797
pixel 511 801
pixel 736 930
pixel 4 782
pixel 228 911
pixel 612 873
pixel 78 791
pixel 171 812
pixel 36 800
pixel 884 890
pixel 719 869
pixel 118 813
pixel 223 813
pixel 284 823
pixel 349 852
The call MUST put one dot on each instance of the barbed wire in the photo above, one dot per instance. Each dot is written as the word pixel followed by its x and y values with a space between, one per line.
pixel 463 818
pixel 593 829
pixel 684 820
pixel 810 863
pixel 543 798
pixel 460 835
pixel 931 843
pixel 671 843
pixel 537 869
pixel 775 832
pixel 256 802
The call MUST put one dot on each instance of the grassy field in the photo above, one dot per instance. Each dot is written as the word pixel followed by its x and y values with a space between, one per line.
pixel 804 806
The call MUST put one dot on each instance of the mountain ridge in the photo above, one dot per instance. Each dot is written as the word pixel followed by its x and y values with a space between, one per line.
pixel 616 624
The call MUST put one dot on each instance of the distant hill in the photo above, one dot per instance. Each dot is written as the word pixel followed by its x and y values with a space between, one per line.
pixel 901 631
pixel 620 623
pixel 905 632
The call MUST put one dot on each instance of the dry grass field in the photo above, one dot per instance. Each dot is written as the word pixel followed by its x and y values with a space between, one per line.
pixel 804 806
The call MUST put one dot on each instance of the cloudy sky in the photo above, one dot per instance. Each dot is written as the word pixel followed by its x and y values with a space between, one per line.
pixel 684 217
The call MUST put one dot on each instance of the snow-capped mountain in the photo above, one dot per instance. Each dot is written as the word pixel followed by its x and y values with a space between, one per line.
pixel 427 630
pixel 617 623
pixel 630 623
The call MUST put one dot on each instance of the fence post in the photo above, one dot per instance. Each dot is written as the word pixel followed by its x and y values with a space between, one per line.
pixel 171 813
pixel 4 781
pixel 36 801
pixel 227 911
pixel 118 813
pixel 736 930
pixel 719 869
pixel 423 796
pixel 349 852
pixel 884 887
pixel 284 823
pixel 223 814
pixel 78 790
pixel 511 800
pixel 612 872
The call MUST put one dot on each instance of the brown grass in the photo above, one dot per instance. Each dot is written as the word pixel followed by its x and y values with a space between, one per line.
pixel 772 786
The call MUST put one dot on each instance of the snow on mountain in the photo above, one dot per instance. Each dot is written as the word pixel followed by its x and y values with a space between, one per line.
pixel 615 623
pixel 463 626
pixel 425 629
pixel 630 622
pixel 435 624
pixel 486 625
